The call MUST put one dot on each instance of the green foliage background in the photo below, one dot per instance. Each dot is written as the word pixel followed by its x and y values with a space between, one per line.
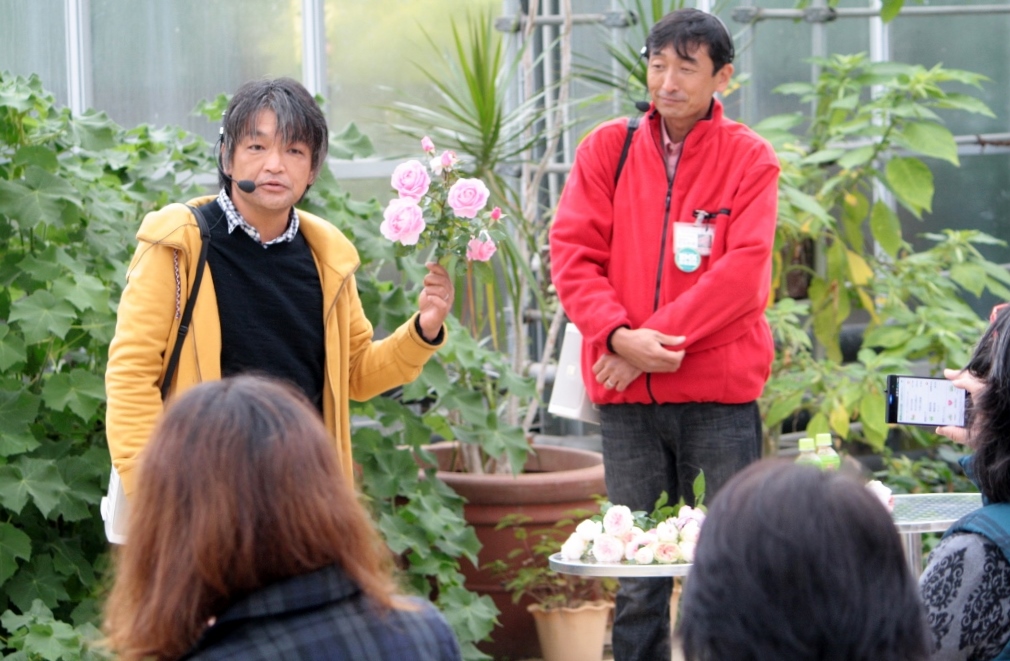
pixel 72 193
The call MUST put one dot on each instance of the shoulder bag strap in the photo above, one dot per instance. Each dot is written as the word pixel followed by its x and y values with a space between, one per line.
pixel 187 313
pixel 632 125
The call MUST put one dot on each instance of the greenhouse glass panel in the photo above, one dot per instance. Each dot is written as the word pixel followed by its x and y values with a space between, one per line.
pixel 32 40
pixel 973 196
pixel 374 51
pixel 154 61
pixel 980 46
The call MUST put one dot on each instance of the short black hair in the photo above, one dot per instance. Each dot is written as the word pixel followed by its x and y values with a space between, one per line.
pixel 299 118
pixel 989 410
pixel 798 564
pixel 687 29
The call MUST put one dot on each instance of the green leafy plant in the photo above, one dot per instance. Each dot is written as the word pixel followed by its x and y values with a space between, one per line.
pixel 528 574
pixel 840 249
pixel 71 190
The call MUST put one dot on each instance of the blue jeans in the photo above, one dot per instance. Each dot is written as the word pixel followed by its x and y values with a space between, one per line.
pixel 651 448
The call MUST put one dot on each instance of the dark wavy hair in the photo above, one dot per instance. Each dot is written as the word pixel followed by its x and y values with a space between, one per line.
pixel 688 28
pixel 239 487
pixel 796 564
pixel 989 410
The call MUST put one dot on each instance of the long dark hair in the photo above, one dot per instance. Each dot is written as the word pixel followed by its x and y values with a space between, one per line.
pixel 989 413
pixel 239 488
pixel 796 564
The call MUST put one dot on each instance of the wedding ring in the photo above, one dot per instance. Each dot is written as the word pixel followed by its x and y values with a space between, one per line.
pixel 446 298
pixel 609 383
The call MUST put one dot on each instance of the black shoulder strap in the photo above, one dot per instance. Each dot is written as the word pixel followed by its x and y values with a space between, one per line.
pixel 632 125
pixel 187 313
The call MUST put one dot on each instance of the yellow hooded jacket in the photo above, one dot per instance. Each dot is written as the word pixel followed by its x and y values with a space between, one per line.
pixel 148 323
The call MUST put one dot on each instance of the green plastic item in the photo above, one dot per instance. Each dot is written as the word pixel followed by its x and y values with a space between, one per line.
pixel 826 454
pixel 807 454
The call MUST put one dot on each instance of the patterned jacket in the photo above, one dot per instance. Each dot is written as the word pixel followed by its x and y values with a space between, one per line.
pixel 323 615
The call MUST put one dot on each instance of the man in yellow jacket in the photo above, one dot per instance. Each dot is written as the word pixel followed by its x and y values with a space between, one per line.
pixel 278 296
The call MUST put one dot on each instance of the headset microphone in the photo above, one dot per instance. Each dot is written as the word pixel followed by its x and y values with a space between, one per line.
pixel 245 185
pixel 643 106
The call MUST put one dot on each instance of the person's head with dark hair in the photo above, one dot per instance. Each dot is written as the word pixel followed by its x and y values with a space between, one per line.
pixel 299 119
pixel 798 564
pixel 241 489
pixel 685 30
pixel 989 412
pixel 689 59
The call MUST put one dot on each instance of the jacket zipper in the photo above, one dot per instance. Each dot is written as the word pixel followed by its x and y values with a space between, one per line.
pixel 662 243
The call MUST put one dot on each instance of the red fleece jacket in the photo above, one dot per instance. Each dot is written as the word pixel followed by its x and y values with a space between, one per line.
pixel 612 256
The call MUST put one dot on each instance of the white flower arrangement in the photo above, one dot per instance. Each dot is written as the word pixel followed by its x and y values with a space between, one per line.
pixel 881 491
pixel 619 535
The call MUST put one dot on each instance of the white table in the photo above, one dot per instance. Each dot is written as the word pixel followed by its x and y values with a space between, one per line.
pixel 914 514
pixel 917 513
pixel 593 568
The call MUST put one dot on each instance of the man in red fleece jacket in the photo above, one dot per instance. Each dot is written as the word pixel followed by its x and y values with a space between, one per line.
pixel 666 271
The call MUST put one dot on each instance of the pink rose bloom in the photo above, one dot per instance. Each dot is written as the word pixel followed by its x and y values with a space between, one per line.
pixel 618 520
pixel 687 551
pixel 690 531
pixel 645 555
pixel 667 553
pixel 881 491
pixel 633 540
pixel 404 221
pixel 445 162
pixel 480 251
pixel 411 180
pixel 686 513
pixel 608 548
pixel 574 547
pixel 667 531
pixel 589 530
pixel 467 197
pixel 496 214
pixel 427 145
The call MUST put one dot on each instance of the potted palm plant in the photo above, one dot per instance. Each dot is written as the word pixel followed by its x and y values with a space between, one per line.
pixel 571 612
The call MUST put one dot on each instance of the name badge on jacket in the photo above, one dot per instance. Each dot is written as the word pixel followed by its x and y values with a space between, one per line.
pixel 691 242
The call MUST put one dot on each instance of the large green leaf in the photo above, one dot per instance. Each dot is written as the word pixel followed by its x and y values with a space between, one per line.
pixel 42 316
pixel 84 292
pixel 886 228
pixel 35 478
pixel 12 348
pixel 14 544
pixel 39 198
pixel 37 581
pixel 912 183
pixel 928 139
pixel 871 413
pixel 970 276
pixel 351 143
pixel 18 409
pixel 79 390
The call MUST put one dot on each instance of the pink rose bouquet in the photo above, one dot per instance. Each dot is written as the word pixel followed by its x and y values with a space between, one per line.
pixel 437 208
pixel 618 535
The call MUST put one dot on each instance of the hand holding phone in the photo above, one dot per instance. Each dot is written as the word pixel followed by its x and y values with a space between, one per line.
pixel 925 401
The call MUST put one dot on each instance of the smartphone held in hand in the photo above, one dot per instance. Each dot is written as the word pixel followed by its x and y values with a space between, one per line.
pixel 926 401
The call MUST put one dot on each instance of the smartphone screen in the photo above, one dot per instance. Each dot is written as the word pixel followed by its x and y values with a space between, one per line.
pixel 915 400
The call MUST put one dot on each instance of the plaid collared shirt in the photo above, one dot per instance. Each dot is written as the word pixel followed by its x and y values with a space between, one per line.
pixel 324 615
pixel 235 219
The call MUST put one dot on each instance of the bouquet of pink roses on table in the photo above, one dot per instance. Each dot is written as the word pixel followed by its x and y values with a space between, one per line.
pixel 619 535
pixel 439 209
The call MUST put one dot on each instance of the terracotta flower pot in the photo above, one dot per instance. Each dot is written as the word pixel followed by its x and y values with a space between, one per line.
pixel 555 481
pixel 572 634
